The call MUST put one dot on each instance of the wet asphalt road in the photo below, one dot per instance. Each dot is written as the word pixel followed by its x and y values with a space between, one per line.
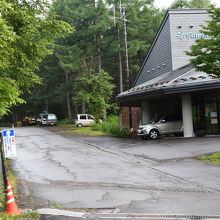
pixel 108 174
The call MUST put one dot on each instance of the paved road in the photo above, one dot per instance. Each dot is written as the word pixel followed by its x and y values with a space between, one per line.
pixel 114 175
pixel 51 217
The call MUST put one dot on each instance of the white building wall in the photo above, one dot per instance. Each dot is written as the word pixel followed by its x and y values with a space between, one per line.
pixel 187 115
pixel 184 30
pixel 145 112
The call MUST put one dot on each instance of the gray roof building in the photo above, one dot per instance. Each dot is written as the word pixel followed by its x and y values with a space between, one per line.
pixel 182 80
pixel 166 72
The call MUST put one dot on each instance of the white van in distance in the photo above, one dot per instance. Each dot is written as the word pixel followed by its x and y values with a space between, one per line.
pixel 83 120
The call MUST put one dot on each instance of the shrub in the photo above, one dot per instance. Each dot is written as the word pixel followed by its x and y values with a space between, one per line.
pixel 111 126
pixel 65 122
pixel 96 126
pixel 125 133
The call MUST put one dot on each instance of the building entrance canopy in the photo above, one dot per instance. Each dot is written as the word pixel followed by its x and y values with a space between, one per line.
pixel 183 80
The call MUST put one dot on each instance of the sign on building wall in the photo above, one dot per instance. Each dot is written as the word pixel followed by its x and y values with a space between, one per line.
pixel 9 143
pixel 189 35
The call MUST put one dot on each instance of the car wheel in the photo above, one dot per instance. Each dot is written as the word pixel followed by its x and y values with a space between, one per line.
pixel 154 134
pixel 79 125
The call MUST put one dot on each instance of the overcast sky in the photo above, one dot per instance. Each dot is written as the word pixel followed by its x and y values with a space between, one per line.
pixel 167 3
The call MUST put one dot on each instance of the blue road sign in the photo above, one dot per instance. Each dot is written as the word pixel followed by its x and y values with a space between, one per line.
pixel 9 143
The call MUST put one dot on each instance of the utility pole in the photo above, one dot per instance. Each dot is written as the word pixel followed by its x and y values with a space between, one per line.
pixel 119 60
pixel 127 75
pixel 126 49
pixel 119 54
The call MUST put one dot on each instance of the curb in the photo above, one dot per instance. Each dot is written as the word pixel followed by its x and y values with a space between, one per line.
pixel 48 211
pixel 123 215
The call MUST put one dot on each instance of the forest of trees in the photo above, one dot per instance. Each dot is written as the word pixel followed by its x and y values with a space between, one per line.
pixel 90 65
pixel 28 32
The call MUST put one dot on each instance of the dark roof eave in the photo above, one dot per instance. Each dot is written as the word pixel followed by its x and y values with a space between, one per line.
pixel 192 87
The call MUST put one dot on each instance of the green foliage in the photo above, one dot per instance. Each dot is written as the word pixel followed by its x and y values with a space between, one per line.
pixel 113 109
pixel 94 90
pixel 52 89
pixel 191 4
pixel 2 194
pixel 143 22
pixel 214 158
pixel 25 216
pixel 111 126
pixel 9 94
pixel 65 121
pixel 199 4
pixel 206 52
pixel 94 46
pixel 180 4
pixel 27 33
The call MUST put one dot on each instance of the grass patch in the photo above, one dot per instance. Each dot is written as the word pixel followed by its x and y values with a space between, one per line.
pixel 109 127
pixel 66 123
pixel 12 178
pixel 85 130
pixel 213 159
pixel 25 216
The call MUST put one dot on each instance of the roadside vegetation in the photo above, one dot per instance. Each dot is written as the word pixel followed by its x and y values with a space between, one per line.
pixel 111 127
pixel 213 158
pixel 2 194
pixel 66 123
pixel 69 127
pixel 25 216
pixel 13 182
pixel 88 131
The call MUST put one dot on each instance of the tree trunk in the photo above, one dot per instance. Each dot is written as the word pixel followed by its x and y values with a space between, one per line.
pixel 104 115
pixel 13 117
pixel 83 108
pixel 46 105
pixel 69 113
pixel 99 54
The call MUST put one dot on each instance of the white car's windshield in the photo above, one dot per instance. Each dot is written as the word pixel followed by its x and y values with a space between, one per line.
pixel 155 120
pixel 52 117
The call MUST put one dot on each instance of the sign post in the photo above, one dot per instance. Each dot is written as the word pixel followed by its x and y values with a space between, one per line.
pixel 8 137
pixel 2 161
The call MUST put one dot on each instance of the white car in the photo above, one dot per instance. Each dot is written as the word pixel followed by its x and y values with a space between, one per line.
pixel 48 119
pixel 168 124
pixel 83 120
